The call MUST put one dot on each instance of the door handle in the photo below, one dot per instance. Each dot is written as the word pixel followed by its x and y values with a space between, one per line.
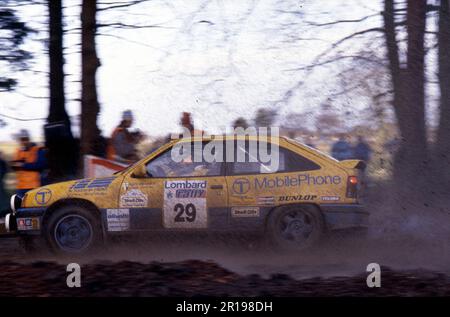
pixel 216 187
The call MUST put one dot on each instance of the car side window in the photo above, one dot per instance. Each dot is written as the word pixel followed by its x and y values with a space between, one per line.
pixel 288 161
pixel 248 161
pixel 297 163
pixel 190 166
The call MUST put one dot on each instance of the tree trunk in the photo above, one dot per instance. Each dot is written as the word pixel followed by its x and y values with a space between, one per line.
pixel 409 95
pixel 442 146
pixel 57 111
pixel 62 149
pixel 394 61
pixel 90 134
pixel 415 89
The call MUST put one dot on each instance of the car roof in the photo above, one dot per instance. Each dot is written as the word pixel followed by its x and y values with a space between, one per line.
pixel 227 137
pixel 220 137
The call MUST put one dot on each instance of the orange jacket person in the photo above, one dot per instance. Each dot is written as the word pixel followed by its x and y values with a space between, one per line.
pixel 29 163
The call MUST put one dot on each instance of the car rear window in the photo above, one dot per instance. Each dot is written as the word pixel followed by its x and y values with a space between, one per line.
pixel 288 161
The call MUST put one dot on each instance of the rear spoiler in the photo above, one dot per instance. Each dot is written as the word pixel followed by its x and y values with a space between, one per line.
pixel 353 164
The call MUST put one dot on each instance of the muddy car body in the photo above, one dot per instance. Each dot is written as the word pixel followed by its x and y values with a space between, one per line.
pixel 294 205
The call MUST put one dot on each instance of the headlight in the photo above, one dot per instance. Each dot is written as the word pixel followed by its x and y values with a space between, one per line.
pixel 10 223
pixel 7 220
pixel 15 202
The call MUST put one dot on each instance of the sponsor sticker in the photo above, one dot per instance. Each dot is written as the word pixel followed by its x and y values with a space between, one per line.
pixel 127 186
pixel 134 198
pixel 190 193
pixel 296 181
pixel 89 185
pixel 28 224
pixel 118 219
pixel 43 196
pixel 297 197
pixel 330 198
pixel 185 204
pixel 245 211
pixel 241 186
pixel 265 200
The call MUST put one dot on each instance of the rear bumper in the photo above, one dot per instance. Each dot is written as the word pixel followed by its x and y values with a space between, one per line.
pixel 345 216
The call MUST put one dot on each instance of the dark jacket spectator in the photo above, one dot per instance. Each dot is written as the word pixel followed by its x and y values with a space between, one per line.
pixel 342 150
pixel 362 150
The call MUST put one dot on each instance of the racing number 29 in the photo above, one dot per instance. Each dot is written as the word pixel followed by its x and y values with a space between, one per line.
pixel 188 210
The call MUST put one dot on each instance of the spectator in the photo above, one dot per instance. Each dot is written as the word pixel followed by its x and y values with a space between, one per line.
pixel 186 122
pixel 362 150
pixel 240 123
pixel 309 141
pixel 342 150
pixel 30 164
pixel 122 145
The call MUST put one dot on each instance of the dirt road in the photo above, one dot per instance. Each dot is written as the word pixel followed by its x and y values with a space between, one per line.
pixel 180 268
pixel 413 249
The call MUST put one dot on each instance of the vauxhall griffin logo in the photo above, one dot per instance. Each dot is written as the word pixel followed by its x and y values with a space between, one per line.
pixel 241 186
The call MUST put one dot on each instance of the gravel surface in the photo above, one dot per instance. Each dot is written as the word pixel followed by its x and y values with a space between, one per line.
pixel 194 278
pixel 26 275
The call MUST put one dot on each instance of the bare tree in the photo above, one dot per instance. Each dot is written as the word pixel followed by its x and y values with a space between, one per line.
pixel 12 34
pixel 408 82
pixel 59 140
pixel 57 111
pixel 91 140
pixel 442 147
pixel 404 25
pixel 90 108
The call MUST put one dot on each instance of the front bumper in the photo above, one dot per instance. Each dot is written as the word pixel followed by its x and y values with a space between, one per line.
pixel 345 216
pixel 25 221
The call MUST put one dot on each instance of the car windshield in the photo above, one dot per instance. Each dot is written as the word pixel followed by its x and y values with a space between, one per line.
pixel 133 164
pixel 125 169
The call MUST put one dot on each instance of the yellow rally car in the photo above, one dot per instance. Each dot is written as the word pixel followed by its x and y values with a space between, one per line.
pixel 294 201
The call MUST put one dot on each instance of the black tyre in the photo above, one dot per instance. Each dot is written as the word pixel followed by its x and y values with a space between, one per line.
pixel 294 228
pixel 73 229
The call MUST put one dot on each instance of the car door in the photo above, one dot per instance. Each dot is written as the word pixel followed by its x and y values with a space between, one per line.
pixel 141 199
pixel 246 205
pixel 182 195
pixel 256 186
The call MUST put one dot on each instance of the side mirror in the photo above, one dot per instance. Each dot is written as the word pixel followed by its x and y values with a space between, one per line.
pixel 140 172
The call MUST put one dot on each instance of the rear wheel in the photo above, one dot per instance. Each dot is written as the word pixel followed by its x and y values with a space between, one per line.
pixel 73 229
pixel 294 228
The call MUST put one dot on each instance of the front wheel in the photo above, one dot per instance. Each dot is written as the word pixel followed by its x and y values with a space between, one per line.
pixel 73 229
pixel 294 228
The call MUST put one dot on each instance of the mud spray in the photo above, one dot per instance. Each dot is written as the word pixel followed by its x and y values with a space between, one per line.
pixel 413 237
